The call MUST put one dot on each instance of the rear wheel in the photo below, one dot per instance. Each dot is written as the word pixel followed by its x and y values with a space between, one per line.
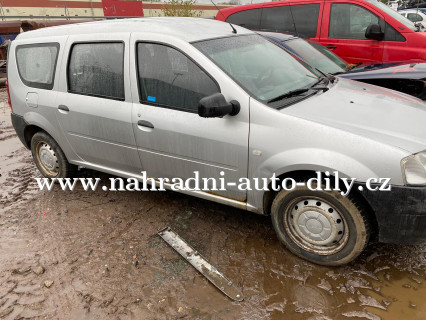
pixel 322 227
pixel 49 157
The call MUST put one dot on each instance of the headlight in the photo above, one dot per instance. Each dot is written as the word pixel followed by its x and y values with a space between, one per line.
pixel 414 169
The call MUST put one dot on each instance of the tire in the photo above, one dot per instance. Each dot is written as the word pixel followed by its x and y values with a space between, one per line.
pixel 322 227
pixel 49 157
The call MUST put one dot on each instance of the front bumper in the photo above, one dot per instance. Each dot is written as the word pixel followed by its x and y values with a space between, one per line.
pixel 400 213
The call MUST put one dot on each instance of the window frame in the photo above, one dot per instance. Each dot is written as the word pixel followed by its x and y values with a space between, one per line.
pixel 91 94
pixel 155 104
pixel 38 85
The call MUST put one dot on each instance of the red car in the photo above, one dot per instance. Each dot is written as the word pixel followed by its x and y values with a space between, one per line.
pixel 359 31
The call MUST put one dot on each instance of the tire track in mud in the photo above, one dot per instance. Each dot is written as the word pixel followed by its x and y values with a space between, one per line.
pixel 22 293
pixel 17 170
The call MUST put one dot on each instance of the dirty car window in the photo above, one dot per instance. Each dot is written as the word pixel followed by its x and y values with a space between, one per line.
pixel 97 69
pixel 263 69
pixel 169 78
pixel 36 64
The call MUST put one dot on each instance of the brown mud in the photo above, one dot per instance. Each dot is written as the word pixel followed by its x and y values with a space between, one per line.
pixel 97 255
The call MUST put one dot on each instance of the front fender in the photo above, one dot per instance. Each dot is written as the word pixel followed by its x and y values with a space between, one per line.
pixel 308 159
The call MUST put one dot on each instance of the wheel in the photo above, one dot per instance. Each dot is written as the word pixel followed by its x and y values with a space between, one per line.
pixel 49 157
pixel 321 227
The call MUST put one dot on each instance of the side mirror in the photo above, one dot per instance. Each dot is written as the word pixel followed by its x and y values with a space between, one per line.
pixel 374 32
pixel 216 106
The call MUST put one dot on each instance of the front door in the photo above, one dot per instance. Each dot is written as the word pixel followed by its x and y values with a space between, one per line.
pixel 344 32
pixel 94 103
pixel 173 141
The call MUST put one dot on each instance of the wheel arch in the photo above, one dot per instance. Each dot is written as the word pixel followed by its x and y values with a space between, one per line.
pixel 29 132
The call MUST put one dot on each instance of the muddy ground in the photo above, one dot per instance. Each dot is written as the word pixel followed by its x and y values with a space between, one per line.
pixel 102 253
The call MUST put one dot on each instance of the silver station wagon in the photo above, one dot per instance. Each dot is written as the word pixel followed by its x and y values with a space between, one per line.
pixel 172 96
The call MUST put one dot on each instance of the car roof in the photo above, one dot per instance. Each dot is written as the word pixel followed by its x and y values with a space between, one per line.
pixel 187 29
pixel 230 10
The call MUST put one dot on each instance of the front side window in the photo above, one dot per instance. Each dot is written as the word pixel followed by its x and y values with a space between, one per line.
pixel 37 64
pixel 390 33
pixel 248 18
pixel 262 68
pixel 349 21
pixel 169 78
pixel 306 19
pixel 97 69
pixel 277 19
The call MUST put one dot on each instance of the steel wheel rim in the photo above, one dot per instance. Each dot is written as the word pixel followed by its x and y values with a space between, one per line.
pixel 47 159
pixel 315 225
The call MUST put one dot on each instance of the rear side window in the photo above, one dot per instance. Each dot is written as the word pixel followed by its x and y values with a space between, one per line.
pixel 169 78
pixel 414 17
pixel 248 19
pixel 306 19
pixel 37 64
pixel 97 69
pixel 277 19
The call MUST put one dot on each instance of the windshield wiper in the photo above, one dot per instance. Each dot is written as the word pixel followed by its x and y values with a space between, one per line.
pixel 326 76
pixel 297 92
pixel 289 94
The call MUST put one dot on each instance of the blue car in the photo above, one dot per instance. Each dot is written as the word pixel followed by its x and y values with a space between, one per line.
pixel 403 77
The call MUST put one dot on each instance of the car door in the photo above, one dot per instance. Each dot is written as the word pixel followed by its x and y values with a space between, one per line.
pixel 173 141
pixel 343 32
pixel 94 101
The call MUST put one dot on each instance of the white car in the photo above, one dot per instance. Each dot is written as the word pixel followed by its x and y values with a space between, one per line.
pixel 414 15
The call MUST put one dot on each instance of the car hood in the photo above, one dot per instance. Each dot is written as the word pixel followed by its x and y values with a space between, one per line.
pixel 389 71
pixel 376 113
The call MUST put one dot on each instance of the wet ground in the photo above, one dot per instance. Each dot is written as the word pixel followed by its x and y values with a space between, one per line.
pixel 96 255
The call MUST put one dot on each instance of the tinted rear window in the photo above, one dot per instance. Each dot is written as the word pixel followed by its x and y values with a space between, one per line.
pixel 248 19
pixel 37 64
pixel 298 19
pixel 306 19
pixel 277 19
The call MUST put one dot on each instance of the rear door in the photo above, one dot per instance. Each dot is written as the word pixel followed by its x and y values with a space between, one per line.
pixel 94 101
pixel 343 31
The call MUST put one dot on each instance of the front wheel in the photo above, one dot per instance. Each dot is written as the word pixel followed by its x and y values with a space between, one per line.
pixel 322 227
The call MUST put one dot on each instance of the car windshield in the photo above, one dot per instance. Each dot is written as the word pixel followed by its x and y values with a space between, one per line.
pixel 262 68
pixel 394 14
pixel 316 55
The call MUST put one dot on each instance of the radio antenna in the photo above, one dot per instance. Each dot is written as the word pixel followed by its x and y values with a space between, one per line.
pixel 233 29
